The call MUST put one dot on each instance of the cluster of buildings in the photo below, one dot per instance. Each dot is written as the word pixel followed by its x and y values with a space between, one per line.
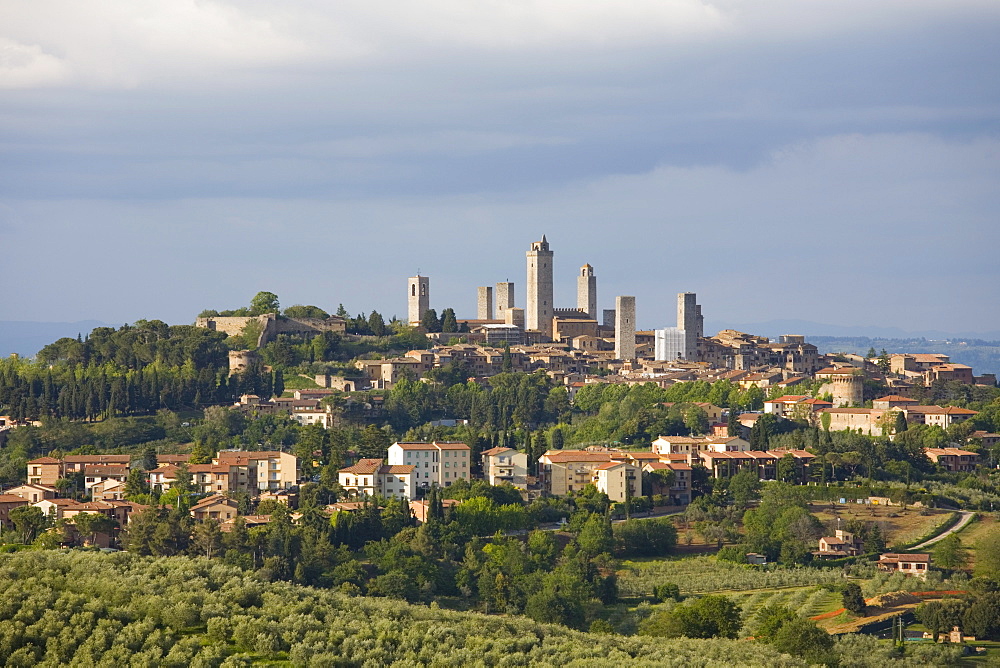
pixel 846 544
pixel 264 474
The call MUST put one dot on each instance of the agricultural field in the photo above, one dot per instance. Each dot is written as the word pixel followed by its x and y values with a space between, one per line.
pixel 984 526
pixel 805 601
pixel 701 575
pixel 899 526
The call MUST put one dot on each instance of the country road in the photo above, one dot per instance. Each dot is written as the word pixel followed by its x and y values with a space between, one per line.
pixel 964 520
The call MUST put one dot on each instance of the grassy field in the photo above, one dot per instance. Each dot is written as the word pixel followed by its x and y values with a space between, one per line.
pixel 899 526
pixel 299 383
pixel 985 525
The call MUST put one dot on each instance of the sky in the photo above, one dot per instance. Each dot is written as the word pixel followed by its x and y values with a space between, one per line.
pixel 837 162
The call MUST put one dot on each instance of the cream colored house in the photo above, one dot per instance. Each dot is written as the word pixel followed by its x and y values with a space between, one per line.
pixel 502 465
pixel 261 470
pixel 680 445
pixel 372 477
pixel 215 507
pixel 618 480
pixel 563 471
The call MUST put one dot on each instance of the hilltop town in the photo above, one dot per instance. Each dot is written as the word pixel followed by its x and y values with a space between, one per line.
pixel 555 464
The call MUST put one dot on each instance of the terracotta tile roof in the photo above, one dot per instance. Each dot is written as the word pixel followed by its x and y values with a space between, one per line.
pixel 681 439
pixel 45 460
pixel 496 451
pixel 798 454
pixel 212 500
pixel 452 446
pixel 105 469
pixel 610 465
pixel 724 455
pixel 397 469
pixel 364 467
pixel 788 399
pixel 566 456
pixel 644 455
pixel 896 398
pixel 12 498
pixel 956 452
pixel 210 468
pixel 940 410
pixel 415 446
pixel 892 557
pixel 251 454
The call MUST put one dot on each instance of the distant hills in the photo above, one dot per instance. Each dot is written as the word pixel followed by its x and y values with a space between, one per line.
pixel 775 328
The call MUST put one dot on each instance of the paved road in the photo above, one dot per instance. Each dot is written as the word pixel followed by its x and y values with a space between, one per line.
pixel 963 520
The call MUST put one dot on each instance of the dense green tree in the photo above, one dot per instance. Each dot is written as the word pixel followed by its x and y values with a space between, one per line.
pixel 430 322
pixel 596 536
pixel 949 552
pixel 983 617
pixel 300 311
pixel 448 321
pixel 769 620
pixel 264 302
pixel 801 637
pixel 91 524
pixel 852 598
pixel 28 522
pixel 711 616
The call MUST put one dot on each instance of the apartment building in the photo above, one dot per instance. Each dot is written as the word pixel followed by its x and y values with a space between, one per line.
pixel 435 463
pixel 505 465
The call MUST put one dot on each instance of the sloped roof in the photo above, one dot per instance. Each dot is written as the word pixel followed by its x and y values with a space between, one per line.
pixel 364 467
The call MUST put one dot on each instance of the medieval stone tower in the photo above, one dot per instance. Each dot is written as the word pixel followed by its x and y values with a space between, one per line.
pixel 586 291
pixel 690 320
pixel 847 390
pixel 504 300
pixel 538 314
pixel 625 328
pixel 418 297
pixel 484 302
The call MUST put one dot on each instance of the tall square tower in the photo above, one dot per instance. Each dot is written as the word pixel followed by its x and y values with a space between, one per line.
pixel 484 302
pixel 690 320
pixel 418 297
pixel 625 328
pixel 538 314
pixel 505 299
pixel 586 291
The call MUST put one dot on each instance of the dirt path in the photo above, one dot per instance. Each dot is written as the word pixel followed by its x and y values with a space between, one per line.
pixel 965 518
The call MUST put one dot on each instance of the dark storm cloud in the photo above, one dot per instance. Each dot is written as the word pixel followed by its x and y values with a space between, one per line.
pixel 675 146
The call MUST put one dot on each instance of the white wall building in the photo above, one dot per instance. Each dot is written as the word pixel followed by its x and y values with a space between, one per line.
pixel 434 463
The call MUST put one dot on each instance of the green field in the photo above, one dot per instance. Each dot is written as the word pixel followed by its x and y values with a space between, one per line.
pixel 701 575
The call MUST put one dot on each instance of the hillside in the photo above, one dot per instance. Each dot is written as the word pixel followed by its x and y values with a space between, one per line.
pixel 85 608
